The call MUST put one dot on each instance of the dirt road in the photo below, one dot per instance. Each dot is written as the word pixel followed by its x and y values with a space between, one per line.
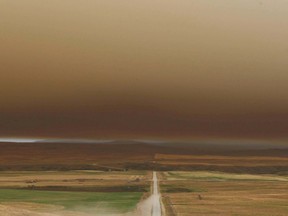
pixel 156 206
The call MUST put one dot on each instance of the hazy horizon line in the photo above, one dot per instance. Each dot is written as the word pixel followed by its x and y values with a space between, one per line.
pixel 234 142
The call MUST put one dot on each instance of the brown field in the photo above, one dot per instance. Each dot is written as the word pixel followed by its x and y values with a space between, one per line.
pixel 97 181
pixel 209 193
pixel 138 156
pixel 71 154
pixel 221 160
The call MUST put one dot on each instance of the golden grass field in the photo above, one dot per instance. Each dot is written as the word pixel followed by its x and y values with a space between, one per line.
pixel 86 193
pixel 216 193
pixel 70 180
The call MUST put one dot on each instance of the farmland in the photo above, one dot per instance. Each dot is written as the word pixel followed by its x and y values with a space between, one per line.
pixel 115 179
pixel 216 193
pixel 72 193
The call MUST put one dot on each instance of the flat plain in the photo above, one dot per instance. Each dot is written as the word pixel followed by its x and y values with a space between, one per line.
pixel 72 192
pixel 218 193
pixel 59 179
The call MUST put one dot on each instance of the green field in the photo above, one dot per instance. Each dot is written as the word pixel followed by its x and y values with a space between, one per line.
pixel 118 202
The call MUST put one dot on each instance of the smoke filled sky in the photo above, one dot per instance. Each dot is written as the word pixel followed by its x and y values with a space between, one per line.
pixel 155 68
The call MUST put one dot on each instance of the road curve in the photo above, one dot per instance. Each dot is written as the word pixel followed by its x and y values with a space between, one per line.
pixel 156 205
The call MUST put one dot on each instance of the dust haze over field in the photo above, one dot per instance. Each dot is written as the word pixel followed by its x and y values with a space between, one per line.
pixel 144 69
pixel 143 107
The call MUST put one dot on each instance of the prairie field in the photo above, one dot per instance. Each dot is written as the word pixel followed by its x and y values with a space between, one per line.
pixel 72 192
pixel 89 180
pixel 40 180
pixel 216 193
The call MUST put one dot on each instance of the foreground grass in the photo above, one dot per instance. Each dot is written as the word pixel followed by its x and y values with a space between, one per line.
pixel 119 202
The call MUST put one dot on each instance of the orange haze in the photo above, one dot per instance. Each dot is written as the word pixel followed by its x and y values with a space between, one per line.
pixel 153 68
